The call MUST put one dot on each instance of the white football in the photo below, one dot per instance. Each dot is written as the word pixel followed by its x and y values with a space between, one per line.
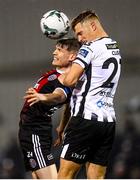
pixel 55 24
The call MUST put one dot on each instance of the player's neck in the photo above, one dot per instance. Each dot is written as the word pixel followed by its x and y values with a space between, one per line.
pixel 63 69
pixel 99 32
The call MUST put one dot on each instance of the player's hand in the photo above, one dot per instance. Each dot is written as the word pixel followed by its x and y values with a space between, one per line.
pixel 33 97
pixel 59 139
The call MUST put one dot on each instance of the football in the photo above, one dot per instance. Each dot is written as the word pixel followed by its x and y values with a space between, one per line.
pixel 55 24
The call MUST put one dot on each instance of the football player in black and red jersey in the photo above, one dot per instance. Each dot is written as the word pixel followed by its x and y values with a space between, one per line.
pixel 41 101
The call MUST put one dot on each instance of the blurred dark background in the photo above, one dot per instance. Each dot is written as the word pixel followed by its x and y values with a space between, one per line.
pixel 25 53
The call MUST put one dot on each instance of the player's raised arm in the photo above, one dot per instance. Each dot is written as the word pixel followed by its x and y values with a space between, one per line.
pixel 32 97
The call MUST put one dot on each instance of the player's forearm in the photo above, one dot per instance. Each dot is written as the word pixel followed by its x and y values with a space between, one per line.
pixel 65 117
pixel 52 99
pixel 33 97
pixel 70 79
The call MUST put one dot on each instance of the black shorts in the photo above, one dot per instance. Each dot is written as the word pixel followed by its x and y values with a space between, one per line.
pixel 36 148
pixel 88 141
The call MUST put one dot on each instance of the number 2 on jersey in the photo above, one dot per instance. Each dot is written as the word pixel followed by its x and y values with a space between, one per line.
pixel 108 83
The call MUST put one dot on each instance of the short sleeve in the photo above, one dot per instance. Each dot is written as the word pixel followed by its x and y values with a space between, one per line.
pixel 67 91
pixel 84 56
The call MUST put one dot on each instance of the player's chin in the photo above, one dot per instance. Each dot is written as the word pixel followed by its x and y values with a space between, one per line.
pixel 55 62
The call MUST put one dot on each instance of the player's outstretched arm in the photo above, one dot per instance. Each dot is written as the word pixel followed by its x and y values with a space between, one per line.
pixel 33 97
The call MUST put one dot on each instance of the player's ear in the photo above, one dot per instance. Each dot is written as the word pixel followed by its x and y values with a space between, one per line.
pixel 93 25
pixel 72 57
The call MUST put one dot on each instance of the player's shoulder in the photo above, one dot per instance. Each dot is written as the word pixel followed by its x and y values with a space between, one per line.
pixel 98 42
pixel 87 46
pixel 105 43
pixel 49 75
pixel 103 40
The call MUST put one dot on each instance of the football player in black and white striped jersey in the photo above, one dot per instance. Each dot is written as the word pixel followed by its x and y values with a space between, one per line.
pixel 94 75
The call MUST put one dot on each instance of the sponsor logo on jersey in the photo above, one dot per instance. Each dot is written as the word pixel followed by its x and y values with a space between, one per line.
pixel 78 156
pixel 52 77
pixel 100 104
pixel 112 46
pixel 106 94
pixel 83 52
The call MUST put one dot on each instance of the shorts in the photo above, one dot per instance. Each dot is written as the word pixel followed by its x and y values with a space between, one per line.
pixel 36 148
pixel 88 141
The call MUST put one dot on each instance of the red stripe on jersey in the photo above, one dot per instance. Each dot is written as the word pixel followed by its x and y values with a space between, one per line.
pixel 44 79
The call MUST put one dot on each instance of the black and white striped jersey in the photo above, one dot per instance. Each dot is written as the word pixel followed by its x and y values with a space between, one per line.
pixel 94 93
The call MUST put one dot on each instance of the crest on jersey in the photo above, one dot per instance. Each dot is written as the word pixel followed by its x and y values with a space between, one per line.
pixel 50 157
pixel 52 77
pixel 32 163
pixel 83 52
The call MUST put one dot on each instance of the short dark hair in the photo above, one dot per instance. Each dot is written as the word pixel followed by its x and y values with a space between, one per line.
pixel 71 44
pixel 82 17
